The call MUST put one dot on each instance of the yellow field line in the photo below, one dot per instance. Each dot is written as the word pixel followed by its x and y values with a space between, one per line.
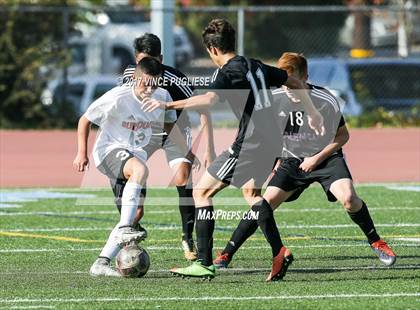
pixel 71 239
pixel 39 236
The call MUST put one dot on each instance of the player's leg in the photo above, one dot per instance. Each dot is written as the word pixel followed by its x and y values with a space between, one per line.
pixel 135 172
pixel 204 191
pixel 127 174
pixel 183 185
pixel 181 168
pixel 206 188
pixel 246 228
pixel 282 257
pixel 356 208
pixel 140 212
pixel 260 168
pixel 274 195
pixel 284 183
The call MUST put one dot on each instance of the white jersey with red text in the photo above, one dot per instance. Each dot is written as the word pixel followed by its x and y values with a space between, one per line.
pixel 123 123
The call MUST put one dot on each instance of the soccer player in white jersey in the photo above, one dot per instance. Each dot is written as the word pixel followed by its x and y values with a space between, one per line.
pixel 125 129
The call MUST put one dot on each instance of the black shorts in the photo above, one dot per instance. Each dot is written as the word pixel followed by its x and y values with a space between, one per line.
pixel 289 177
pixel 113 167
pixel 173 153
pixel 234 170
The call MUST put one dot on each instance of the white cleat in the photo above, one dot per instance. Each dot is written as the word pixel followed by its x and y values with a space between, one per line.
pixel 126 235
pixel 190 252
pixel 101 267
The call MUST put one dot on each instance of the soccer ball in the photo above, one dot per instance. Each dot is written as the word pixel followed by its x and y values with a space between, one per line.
pixel 133 261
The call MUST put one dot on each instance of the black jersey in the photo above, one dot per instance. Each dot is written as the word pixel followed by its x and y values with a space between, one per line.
pixel 299 140
pixel 245 84
pixel 177 86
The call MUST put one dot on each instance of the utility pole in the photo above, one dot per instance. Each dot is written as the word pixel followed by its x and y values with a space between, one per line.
pixel 162 25
pixel 361 46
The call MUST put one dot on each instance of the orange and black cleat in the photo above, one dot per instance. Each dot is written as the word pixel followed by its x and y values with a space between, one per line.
pixel 280 264
pixel 222 260
pixel 384 252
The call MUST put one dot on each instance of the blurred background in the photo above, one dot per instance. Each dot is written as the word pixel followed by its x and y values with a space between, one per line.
pixel 57 56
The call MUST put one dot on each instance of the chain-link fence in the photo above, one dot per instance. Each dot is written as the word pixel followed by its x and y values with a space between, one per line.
pixel 58 59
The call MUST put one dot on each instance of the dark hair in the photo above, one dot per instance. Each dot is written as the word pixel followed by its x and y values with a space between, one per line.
pixel 148 44
pixel 219 33
pixel 150 66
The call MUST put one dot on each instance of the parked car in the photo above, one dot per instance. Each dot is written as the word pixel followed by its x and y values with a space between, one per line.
pixel 109 49
pixel 366 84
pixel 81 92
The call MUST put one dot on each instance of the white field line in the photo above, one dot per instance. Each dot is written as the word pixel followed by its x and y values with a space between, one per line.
pixel 170 211
pixel 229 270
pixel 33 307
pixel 176 227
pixel 164 248
pixel 207 298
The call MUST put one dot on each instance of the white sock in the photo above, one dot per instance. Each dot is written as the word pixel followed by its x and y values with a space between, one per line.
pixel 129 202
pixel 111 247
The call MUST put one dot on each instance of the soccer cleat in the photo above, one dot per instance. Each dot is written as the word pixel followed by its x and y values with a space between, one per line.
pixel 384 252
pixel 222 260
pixel 101 267
pixel 280 264
pixel 190 251
pixel 140 228
pixel 126 235
pixel 196 270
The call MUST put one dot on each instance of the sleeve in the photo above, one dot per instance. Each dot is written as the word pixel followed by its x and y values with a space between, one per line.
pixel 98 111
pixel 342 122
pixel 219 84
pixel 170 115
pixel 128 73
pixel 275 76
pixel 184 89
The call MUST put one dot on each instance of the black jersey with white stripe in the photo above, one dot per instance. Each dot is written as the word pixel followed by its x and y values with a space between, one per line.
pixel 299 140
pixel 245 84
pixel 177 87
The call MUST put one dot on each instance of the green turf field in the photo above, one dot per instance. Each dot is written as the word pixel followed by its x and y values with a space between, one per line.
pixel 48 245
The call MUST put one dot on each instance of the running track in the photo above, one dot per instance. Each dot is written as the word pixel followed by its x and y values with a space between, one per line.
pixel 44 158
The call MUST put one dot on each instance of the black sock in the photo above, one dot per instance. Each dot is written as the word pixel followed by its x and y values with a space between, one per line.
pixel 204 228
pixel 267 223
pixel 246 228
pixel 187 210
pixel 365 222
pixel 143 192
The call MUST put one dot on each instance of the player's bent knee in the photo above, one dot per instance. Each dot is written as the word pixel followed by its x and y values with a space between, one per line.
pixel 202 196
pixel 136 171
pixel 181 178
pixel 350 202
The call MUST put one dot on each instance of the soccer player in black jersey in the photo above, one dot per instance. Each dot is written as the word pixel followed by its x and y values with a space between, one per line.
pixel 149 45
pixel 307 159
pixel 245 84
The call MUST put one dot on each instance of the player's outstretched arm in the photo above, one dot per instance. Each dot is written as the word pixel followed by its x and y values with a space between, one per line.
pixel 316 121
pixel 82 161
pixel 192 103
pixel 341 138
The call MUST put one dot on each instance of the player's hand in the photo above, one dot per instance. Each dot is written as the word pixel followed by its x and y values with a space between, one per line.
pixel 149 105
pixel 208 158
pixel 81 162
pixel 196 164
pixel 316 122
pixel 309 164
